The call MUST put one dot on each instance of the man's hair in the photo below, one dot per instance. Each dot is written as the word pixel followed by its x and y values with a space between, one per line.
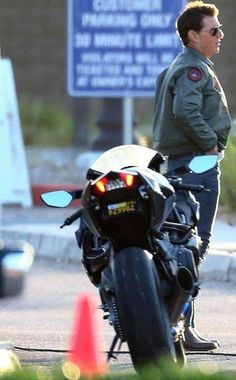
pixel 192 16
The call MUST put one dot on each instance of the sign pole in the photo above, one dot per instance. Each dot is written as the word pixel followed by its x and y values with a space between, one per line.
pixel 127 120
pixel 121 50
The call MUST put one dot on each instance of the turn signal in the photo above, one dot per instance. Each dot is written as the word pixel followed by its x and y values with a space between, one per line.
pixel 129 179
pixel 101 185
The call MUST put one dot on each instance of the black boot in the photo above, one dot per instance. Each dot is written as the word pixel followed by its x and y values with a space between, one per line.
pixel 193 342
pixel 207 340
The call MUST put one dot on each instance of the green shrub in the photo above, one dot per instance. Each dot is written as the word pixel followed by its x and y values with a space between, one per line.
pixel 168 373
pixel 45 124
pixel 228 176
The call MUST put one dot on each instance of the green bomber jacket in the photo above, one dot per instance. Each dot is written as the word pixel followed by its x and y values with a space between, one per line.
pixel 191 112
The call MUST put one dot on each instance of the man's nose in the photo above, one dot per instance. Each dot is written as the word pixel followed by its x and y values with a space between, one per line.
pixel 221 33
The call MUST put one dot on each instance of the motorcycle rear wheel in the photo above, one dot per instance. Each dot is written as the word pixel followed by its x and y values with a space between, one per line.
pixel 142 312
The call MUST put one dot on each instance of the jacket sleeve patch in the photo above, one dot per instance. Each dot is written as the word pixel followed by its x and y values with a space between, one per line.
pixel 194 74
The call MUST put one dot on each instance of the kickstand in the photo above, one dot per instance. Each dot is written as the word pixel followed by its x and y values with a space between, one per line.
pixel 110 354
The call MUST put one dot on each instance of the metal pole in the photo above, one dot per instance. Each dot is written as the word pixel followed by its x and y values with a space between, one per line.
pixel 127 120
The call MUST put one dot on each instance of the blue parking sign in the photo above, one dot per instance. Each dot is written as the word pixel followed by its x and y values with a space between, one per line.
pixel 119 47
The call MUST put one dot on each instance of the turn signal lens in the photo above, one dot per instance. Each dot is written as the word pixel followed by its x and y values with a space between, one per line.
pixel 122 180
pixel 100 185
pixel 129 179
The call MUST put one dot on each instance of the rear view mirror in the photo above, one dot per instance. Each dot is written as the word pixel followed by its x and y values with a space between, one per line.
pixel 57 198
pixel 201 164
pixel 16 258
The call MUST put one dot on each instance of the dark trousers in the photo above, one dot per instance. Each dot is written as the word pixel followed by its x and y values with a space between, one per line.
pixel 208 205
pixel 208 200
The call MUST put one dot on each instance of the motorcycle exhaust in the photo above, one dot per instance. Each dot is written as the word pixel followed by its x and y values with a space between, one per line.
pixel 181 290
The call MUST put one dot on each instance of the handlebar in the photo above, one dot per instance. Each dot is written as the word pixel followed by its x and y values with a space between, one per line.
pixel 189 187
pixel 71 219
pixel 176 182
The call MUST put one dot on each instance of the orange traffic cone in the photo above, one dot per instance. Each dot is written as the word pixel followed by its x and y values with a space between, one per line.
pixel 86 347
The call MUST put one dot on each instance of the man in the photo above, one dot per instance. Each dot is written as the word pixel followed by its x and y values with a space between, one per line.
pixel 191 118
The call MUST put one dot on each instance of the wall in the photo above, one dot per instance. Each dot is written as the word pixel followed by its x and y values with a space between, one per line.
pixel 225 62
pixel 33 35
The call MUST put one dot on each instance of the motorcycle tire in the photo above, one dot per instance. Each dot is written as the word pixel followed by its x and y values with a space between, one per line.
pixel 141 309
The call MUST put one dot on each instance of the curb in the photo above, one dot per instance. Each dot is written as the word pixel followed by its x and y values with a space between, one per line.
pixel 50 242
pixel 219 265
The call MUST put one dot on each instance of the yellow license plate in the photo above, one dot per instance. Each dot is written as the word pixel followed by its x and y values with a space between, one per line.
pixel 121 208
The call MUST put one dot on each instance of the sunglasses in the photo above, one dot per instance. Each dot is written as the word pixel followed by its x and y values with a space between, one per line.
pixel 214 31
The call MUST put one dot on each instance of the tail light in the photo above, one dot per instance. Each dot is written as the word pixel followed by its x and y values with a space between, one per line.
pixel 120 180
pixel 128 179
pixel 101 185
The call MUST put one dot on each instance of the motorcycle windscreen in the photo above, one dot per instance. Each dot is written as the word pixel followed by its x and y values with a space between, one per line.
pixel 124 156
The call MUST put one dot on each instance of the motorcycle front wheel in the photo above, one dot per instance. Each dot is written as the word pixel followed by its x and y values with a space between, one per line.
pixel 142 312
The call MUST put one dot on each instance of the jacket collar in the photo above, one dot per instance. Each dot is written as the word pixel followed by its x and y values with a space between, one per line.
pixel 196 53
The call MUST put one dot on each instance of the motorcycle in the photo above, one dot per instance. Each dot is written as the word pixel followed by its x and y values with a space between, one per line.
pixel 16 258
pixel 140 247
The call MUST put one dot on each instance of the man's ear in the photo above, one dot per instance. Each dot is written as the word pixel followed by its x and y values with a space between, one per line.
pixel 192 35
